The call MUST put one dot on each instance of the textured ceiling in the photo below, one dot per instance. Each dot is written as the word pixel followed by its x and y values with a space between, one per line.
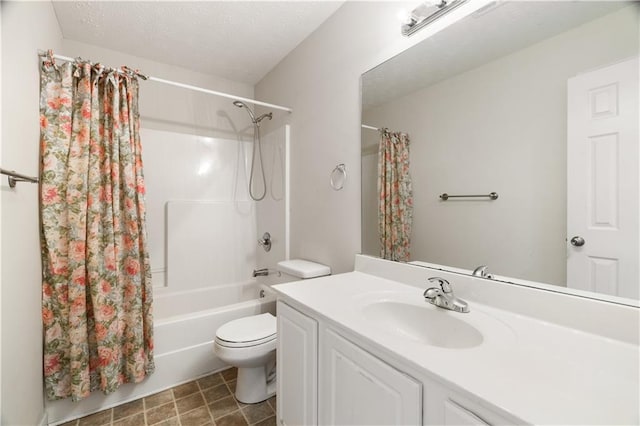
pixel 238 40
pixel 490 33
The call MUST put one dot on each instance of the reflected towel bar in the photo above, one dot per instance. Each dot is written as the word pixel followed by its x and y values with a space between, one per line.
pixel 492 196
pixel 14 177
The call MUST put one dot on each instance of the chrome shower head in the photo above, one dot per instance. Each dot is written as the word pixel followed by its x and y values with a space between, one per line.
pixel 241 104
pixel 254 120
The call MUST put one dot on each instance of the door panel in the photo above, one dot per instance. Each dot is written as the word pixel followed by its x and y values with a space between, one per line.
pixel 603 180
pixel 359 389
pixel 297 367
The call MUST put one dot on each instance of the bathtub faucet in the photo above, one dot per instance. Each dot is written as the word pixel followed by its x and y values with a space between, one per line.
pixel 260 272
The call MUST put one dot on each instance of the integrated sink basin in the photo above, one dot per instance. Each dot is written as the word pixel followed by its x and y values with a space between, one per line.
pixel 425 324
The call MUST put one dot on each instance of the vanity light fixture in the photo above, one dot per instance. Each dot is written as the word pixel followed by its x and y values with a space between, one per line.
pixel 428 12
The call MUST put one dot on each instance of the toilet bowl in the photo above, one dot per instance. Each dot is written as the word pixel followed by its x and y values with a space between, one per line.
pixel 250 343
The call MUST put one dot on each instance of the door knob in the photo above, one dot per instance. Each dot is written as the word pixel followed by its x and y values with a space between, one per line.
pixel 577 241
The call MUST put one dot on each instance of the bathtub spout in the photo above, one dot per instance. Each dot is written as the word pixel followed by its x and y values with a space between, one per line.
pixel 260 272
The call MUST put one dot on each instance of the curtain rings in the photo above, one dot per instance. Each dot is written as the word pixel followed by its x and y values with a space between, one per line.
pixel 338 177
pixel 134 72
pixel 50 60
pixel 98 70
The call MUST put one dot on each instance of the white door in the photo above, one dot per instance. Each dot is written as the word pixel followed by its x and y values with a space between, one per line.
pixel 297 367
pixel 603 181
pixel 357 388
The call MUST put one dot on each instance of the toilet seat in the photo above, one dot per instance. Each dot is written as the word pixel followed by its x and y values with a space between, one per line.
pixel 249 331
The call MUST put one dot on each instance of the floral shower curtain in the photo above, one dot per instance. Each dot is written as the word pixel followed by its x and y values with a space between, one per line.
pixel 395 203
pixel 96 291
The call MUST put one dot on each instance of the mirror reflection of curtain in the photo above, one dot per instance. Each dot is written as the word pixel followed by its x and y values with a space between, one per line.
pixel 395 203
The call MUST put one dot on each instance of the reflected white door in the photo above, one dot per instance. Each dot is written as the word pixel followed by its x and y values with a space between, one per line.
pixel 603 181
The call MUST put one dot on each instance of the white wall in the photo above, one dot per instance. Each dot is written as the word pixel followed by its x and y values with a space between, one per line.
pixel 26 27
pixel 320 80
pixel 500 127
pixel 0 217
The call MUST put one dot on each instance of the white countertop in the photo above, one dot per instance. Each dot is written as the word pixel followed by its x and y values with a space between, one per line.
pixel 537 371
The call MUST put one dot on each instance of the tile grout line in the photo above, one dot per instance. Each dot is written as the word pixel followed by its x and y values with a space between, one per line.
pixel 206 404
pixel 175 405
pixel 144 411
pixel 233 394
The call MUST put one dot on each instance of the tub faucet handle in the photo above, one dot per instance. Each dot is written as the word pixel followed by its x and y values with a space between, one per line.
pixel 265 241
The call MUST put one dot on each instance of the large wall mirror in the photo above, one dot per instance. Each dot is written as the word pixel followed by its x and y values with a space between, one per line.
pixel 538 102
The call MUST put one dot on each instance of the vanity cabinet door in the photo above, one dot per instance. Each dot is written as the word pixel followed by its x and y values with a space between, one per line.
pixel 359 389
pixel 297 367
pixel 444 406
pixel 456 415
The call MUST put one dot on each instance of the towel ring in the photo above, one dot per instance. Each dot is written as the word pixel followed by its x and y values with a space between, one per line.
pixel 338 177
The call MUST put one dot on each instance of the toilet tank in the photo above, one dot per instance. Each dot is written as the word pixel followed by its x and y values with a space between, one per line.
pixel 303 269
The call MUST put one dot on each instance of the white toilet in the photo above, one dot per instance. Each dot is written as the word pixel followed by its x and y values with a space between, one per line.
pixel 250 343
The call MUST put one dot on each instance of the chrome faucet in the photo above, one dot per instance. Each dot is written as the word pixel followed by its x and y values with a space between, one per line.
pixel 442 296
pixel 260 272
pixel 481 271
pixel 263 272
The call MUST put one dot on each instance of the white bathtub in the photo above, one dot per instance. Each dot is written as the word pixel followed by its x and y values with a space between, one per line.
pixel 185 325
pixel 173 304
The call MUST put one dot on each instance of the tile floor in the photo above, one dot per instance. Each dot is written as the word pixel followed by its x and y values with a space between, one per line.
pixel 206 401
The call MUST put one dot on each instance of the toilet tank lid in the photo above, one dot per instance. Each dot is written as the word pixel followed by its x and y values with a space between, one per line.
pixel 303 268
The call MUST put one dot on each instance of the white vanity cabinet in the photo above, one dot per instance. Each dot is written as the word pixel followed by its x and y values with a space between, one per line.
pixel 325 378
pixel 357 388
pixel 297 367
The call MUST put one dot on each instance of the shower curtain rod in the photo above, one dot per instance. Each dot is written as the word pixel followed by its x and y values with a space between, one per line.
pixel 188 86
pixel 364 126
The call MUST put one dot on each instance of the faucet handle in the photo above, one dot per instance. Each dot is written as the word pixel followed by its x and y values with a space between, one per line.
pixel 265 241
pixel 432 293
pixel 442 283
pixel 482 272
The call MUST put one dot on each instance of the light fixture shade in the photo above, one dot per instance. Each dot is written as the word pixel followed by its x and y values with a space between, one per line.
pixel 428 12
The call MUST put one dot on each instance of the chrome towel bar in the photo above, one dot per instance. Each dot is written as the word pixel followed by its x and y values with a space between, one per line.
pixel 14 177
pixel 492 196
